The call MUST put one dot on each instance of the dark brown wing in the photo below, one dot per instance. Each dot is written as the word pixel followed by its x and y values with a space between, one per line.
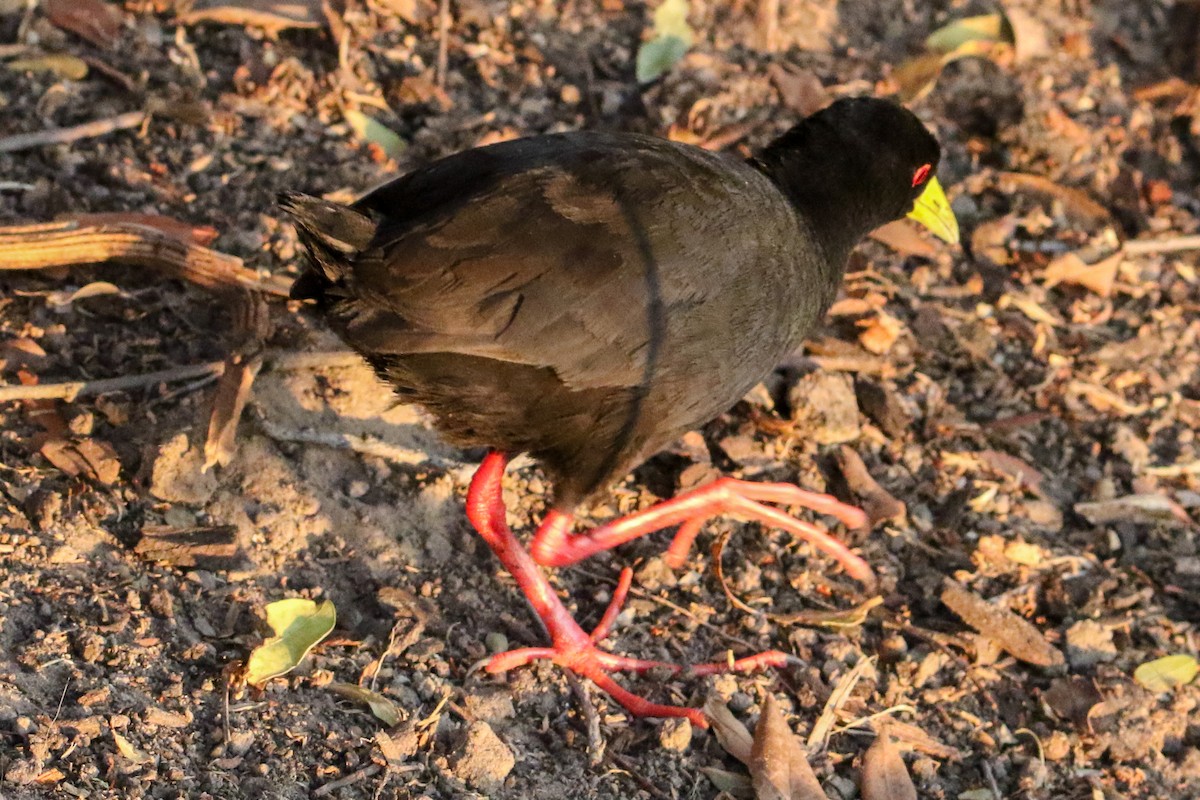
pixel 568 252
pixel 586 297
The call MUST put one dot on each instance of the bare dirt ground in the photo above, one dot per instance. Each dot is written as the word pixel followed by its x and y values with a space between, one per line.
pixel 1034 416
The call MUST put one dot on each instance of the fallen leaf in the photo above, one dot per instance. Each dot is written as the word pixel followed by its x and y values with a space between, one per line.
pixel 233 392
pixel 733 784
pixel 904 237
pixel 1144 509
pixel 61 64
pixel 876 501
pixel 93 289
pixel 382 707
pixel 879 333
pixel 372 130
pixel 1072 698
pixel 95 20
pixel 800 90
pixel 127 750
pixel 911 738
pixel 299 624
pixel 731 733
pixel 1102 399
pixel 837 620
pixel 988 35
pixel 1025 473
pixel 1029 35
pixel 983 28
pixel 1070 268
pixel 672 38
pixel 1012 633
pixel 884 776
pixel 270 15
pixel 91 458
pixel 1075 202
pixel 1166 673
pixel 779 768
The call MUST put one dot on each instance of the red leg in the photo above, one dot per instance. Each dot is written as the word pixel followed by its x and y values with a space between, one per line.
pixel 572 648
pixel 554 545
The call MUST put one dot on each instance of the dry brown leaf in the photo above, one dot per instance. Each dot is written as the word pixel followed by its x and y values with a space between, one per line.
pixel 884 776
pixel 1070 268
pixel 1072 698
pixel 909 737
pixel 916 77
pixel 270 15
pixel 1031 39
pixel 800 89
pixel 729 783
pixel 879 504
pixel 903 237
pixel 731 733
pixel 1145 509
pixel 1025 473
pixel 95 20
pixel 1075 202
pixel 879 333
pixel 233 391
pixel 991 239
pixel 779 768
pixel 1012 633
pixel 91 458
pixel 1102 399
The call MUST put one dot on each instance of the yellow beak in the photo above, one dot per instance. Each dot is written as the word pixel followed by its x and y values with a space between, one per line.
pixel 932 210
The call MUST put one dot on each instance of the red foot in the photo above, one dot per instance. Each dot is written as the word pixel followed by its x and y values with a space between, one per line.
pixel 572 648
pixel 555 546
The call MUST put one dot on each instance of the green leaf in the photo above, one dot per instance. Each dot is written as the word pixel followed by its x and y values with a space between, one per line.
pixel 672 38
pixel 299 624
pixel 658 55
pixel 670 19
pixel 985 28
pixel 372 130
pixel 1166 673
pixel 383 708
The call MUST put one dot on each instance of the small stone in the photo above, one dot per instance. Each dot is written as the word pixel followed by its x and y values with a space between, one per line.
pixel 1089 643
pixel 24 726
pixel 357 489
pixel 823 403
pixel 496 642
pixel 676 734
pixel 570 94
pixel 483 760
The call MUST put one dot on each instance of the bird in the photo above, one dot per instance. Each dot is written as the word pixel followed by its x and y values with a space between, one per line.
pixel 587 297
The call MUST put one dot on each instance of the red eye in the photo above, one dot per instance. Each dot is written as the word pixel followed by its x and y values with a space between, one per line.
pixel 922 174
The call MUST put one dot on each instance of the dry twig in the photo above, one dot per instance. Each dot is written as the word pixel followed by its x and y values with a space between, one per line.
pixel 69 244
pixel 88 130
pixel 71 390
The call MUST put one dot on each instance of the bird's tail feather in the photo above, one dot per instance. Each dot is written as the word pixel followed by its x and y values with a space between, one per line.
pixel 333 235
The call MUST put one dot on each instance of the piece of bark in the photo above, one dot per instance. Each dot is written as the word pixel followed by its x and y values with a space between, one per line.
pixel 213 547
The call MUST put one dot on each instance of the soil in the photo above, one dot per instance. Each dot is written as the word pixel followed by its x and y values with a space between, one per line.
pixel 1031 439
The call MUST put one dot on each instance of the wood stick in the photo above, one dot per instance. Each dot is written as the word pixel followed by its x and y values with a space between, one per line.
pixel 70 243
pixel 88 130
pixel 71 390
pixel 1175 244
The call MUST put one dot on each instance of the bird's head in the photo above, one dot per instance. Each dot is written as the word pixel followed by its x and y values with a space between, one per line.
pixel 857 164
